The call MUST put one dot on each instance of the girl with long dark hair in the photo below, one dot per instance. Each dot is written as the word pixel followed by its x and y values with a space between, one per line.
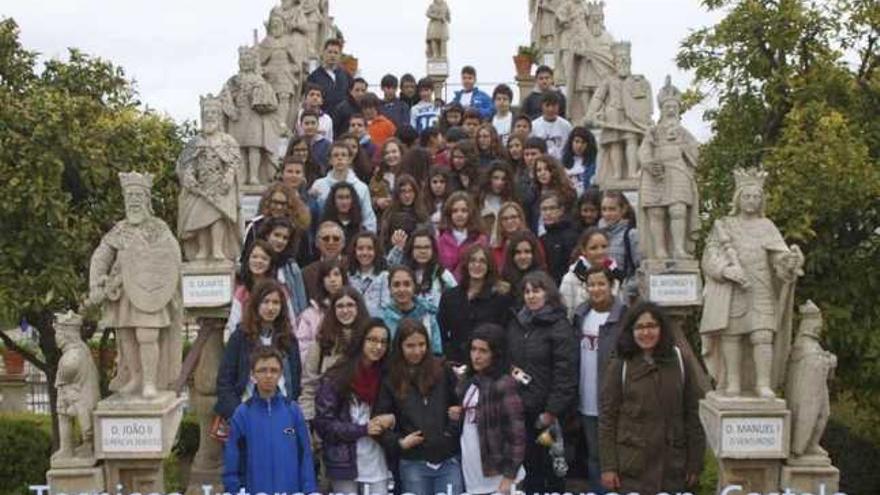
pixel 266 321
pixel 419 390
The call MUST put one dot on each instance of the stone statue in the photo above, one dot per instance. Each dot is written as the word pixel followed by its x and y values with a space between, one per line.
pixel 207 217
pixel 315 13
pixel 543 16
pixel 135 275
pixel 668 196
pixel 572 21
pixel 283 66
pixel 806 388
pixel 750 278
pixel 590 62
pixel 250 105
pixel 438 29
pixel 78 393
pixel 296 27
pixel 622 107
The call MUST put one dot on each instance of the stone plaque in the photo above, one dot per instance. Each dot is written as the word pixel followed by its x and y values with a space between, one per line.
pixel 753 436
pixel 674 288
pixel 207 291
pixel 250 207
pixel 438 68
pixel 131 434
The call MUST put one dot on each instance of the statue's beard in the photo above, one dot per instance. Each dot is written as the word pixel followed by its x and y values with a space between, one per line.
pixel 136 214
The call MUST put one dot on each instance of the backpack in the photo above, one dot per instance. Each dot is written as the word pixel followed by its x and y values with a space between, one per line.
pixel 677 355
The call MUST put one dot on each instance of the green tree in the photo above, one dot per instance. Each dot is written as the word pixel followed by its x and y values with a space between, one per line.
pixel 65 133
pixel 798 91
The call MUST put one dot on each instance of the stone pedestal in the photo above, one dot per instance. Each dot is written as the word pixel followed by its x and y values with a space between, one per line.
pixel 671 282
pixel 438 72
pixel 249 204
pixel 75 480
pixel 207 465
pixel 750 437
pixel 135 475
pixel 133 436
pixel 207 287
pixel 525 84
pixel 810 476
pixel 13 393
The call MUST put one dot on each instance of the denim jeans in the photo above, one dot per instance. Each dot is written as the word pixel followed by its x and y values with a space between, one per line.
pixel 591 433
pixel 420 479
pixel 349 487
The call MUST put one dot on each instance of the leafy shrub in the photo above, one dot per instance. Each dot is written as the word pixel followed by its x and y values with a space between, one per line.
pixel 26 441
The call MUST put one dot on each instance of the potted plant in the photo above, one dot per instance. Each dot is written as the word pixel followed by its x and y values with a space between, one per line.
pixel 524 58
pixel 13 361
pixel 349 63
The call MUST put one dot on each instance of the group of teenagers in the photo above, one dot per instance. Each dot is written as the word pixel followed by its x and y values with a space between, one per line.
pixel 435 310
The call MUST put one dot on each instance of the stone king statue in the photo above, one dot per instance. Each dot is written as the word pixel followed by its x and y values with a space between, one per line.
pixel 207 219
pixel 750 278
pixel 78 393
pixel 668 197
pixel 622 107
pixel 806 388
pixel 251 107
pixel 135 276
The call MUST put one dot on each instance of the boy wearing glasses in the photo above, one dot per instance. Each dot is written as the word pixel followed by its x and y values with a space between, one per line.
pixel 268 450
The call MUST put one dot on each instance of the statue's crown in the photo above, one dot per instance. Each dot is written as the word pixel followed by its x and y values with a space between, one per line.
pixel 136 179
pixel 246 51
pixel 210 102
pixel 668 93
pixel 596 9
pixel 69 320
pixel 749 177
pixel 621 48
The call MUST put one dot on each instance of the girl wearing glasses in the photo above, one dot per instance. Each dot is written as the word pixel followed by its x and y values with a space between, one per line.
pixel 650 437
pixel 493 432
pixel 421 256
pixel 480 298
pixel 353 460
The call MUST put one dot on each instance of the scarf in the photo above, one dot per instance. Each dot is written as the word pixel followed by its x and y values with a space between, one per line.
pixel 365 384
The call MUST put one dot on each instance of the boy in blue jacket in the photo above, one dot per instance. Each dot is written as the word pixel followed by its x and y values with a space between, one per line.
pixel 268 449
pixel 472 96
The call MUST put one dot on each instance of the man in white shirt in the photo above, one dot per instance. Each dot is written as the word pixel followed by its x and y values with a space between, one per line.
pixel 550 127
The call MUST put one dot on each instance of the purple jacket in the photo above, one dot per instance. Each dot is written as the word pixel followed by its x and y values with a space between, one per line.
pixel 338 432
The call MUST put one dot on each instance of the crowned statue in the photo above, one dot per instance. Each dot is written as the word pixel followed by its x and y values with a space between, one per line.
pixel 251 108
pixel 750 276
pixel 207 217
pixel 135 276
pixel 283 66
pixel 668 197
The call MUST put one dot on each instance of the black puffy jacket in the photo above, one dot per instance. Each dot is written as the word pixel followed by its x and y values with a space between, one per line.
pixel 545 347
